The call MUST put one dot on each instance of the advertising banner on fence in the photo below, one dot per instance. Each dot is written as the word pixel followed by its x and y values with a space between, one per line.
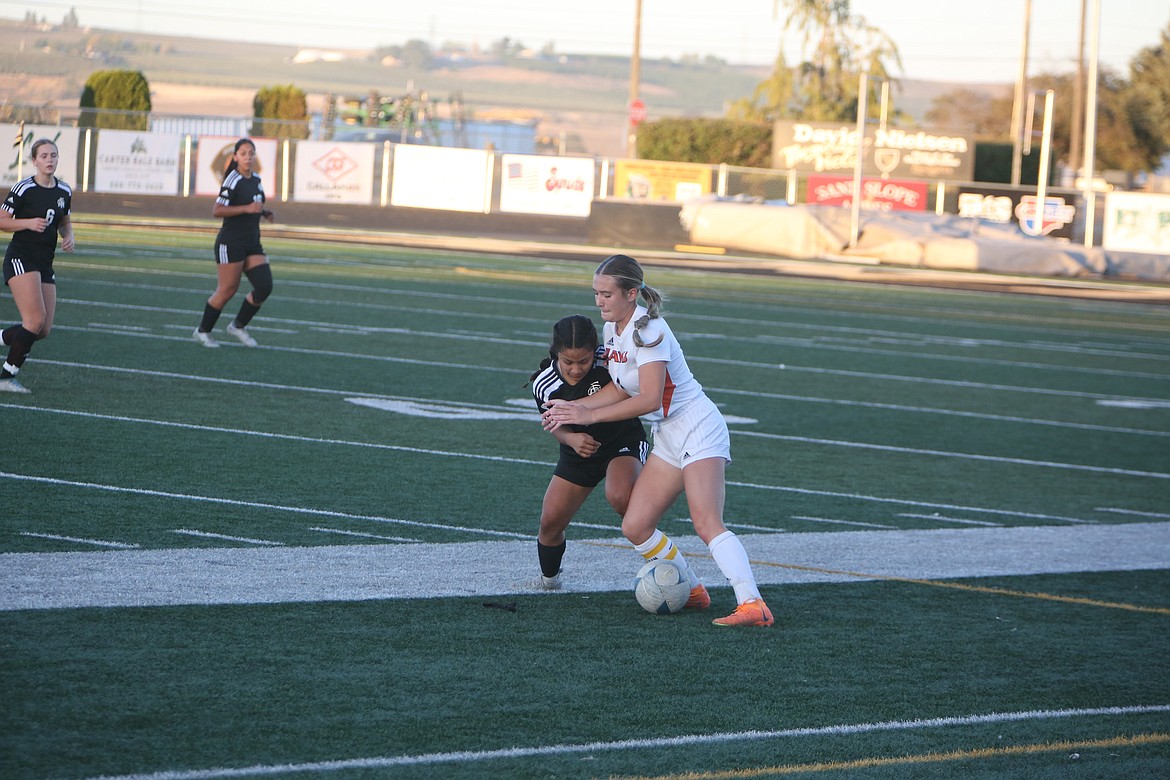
pixel 822 147
pixel 138 162
pixel 1137 222
pixel 432 177
pixel 214 152
pixel 876 194
pixel 333 172
pixel 15 157
pixel 1019 206
pixel 547 185
pixel 653 180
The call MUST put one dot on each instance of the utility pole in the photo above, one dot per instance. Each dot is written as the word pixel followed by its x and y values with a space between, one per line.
pixel 635 80
pixel 1078 106
pixel 1090 195
pixel 1018 102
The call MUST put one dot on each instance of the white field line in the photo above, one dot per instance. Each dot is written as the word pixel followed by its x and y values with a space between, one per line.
pixel 865 348
pixel 984 322
pixel 952 412
pixel 1134 512
pixel 257 505
pixel 833 521
pixel 362 535
pixel 226 537
pixel 657 743
pixel 945 519
pixel 754 434
pixel 78 540
pixel 961 455
pixel 285 436
pixel 712 390
pixel 910 502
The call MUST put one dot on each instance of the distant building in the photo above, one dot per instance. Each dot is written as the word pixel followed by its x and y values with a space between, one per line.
pixel 318 55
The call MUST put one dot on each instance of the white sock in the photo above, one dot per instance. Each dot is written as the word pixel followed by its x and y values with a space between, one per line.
pixel 660 546
pixel 732 559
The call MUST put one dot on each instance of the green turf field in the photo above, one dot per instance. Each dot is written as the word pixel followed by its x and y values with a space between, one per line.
pixel 275 562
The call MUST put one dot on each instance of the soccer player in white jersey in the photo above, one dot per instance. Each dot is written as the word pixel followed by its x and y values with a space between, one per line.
pixel 691 445
pixel 36 212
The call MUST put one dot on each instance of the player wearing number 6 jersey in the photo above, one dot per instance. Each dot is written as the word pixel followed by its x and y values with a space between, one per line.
pixel 36 212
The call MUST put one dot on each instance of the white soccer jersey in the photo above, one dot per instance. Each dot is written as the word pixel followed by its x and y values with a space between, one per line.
pixel 623 358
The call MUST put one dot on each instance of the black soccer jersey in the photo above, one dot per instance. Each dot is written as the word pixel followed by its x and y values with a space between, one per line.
pixel 240 191
pixel 550 384
pixel 27 200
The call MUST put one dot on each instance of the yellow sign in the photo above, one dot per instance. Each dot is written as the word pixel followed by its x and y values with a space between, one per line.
pixel 656 180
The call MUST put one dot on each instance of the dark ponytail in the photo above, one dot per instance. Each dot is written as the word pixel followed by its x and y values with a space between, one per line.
pixel 232 164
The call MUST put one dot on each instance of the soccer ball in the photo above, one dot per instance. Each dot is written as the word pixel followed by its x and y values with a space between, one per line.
pixel 661 587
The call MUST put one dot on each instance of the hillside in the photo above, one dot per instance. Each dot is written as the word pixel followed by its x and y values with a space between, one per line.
pixel 580 99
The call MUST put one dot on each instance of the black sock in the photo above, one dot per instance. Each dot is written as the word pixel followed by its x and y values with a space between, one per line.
pixel 247 312
pixel 550 558
pixel 210 317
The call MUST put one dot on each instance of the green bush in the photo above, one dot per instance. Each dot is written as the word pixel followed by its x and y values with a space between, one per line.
pixel 117 100
pixel 280 112
pixel 710 141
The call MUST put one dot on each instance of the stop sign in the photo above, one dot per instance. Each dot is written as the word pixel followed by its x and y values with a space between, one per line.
pixel 637 112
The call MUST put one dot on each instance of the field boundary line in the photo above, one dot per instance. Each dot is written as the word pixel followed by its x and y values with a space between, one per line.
pixel 258 505
pixel 961 455
pixel 1140 740
pixel 971 588
pixel 381 762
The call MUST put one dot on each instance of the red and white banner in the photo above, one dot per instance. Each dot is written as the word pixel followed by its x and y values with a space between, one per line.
pixel 876 194
pixel 534 184
pixel 332 172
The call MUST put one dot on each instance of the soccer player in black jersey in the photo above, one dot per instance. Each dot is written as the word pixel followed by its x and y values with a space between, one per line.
pixel 613 451
pixel 237 247
pixel 36 212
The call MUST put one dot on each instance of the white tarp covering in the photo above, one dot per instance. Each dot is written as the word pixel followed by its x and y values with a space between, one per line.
pixel 907 239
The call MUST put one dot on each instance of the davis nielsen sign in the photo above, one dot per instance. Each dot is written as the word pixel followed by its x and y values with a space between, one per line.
pixel 820 147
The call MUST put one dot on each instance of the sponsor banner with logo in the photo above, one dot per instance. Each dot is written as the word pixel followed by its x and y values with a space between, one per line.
pixel 137 162
pixel 17 146
pixel 533 184
pixel 876 194
pixel 334 172
pixel 213 154
pixel 653 180
pixel 434 177
pixel 1019 206
pixel 822 147
pixel 1137 222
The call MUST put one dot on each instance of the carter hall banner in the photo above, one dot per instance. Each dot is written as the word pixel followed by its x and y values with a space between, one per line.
pixel 822 147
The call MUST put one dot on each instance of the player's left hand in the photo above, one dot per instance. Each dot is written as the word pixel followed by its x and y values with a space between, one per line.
pixel 564 413
pixel 67 243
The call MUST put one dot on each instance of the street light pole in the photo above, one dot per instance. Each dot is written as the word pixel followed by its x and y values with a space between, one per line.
pixel 1018 102
pixel 635 79
pixel 1090 194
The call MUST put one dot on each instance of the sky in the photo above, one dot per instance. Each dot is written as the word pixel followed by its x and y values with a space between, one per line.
pixel 946 40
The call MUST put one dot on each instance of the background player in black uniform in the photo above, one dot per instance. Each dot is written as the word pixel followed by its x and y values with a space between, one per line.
pixel 36 212
pixel 237 247
pixel 612 451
